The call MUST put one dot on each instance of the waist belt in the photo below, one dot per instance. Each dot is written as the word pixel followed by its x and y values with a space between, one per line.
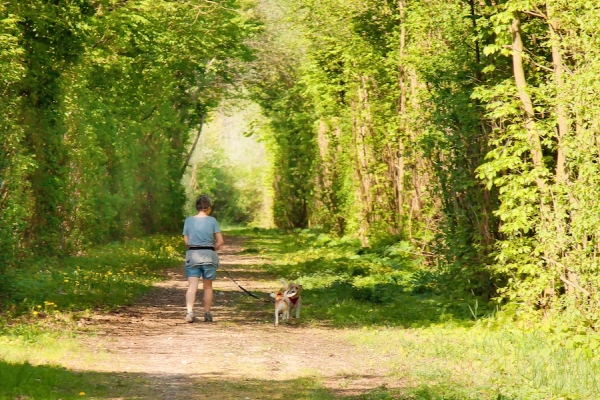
pixel 201 248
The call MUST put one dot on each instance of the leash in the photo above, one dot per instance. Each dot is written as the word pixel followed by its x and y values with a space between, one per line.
pixel 269 300
pixel 245 290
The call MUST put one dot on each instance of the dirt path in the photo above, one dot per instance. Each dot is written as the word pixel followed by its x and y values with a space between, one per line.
pixel 241 355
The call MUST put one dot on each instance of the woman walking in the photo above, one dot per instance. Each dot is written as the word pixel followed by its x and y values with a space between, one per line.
pixel 202 235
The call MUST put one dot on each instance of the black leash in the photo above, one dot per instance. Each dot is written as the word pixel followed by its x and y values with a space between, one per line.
pixel 269 300
pixel 245 290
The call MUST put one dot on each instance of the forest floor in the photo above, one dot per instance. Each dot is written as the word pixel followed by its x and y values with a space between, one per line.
pixel 240 355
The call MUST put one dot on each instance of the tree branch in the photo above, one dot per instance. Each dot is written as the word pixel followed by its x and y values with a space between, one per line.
pixel 542 16
pixel 189 156
pixel 539 12
pixel 3 190
pixel 150 114
pixel 573 284
pixel 564 279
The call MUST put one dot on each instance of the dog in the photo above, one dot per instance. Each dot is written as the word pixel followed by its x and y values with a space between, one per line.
pixel 287 298
pixel 295 300
pixel 282 304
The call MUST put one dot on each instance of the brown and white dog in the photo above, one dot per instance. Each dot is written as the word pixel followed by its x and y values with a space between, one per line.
pixel 287 298
pixel 295 300
pixel 282 305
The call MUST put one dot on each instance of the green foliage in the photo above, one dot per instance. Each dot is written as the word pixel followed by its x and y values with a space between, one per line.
pixel 431 340
pixel 367 286
pixel 450 362
pixel 291 142
pixel 49 294
pixel 99 101
pixel 543 242
pixel 236 196
pixel 396 137
pixel 232 167
pixel 429 124
pixel 463 130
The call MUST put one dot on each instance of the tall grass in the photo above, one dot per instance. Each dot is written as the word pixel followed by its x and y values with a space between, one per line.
pixel 487 363
pixel 30 358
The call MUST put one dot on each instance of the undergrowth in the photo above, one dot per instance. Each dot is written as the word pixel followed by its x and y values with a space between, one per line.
pixel 103 277
pixel 446 345
pixel 349 285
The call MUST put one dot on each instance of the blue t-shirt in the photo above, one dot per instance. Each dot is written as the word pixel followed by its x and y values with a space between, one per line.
pixel 200 230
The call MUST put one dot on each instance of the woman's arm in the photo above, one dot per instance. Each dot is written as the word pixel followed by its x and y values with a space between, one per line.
pixel 186 239
pixel 219 240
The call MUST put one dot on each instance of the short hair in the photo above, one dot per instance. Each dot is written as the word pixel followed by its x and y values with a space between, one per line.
pixel 203 202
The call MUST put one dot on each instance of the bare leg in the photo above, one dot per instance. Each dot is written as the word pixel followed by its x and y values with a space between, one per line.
pixel 208 294
pixel 190 295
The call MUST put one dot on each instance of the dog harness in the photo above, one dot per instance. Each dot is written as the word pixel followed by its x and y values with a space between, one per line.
pixel 293 300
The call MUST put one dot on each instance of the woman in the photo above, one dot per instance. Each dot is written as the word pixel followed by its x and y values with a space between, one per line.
pixel 202 235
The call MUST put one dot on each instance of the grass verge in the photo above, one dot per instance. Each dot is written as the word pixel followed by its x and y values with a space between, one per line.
pixel 48 297
pixel 104 277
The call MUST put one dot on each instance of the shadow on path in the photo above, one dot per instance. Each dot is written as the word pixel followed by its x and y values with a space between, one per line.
pixel 24 381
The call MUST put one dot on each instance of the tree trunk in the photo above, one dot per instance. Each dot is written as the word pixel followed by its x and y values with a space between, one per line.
pixel 521 83
pixel 561 114
pixel 400 167
pixel 363 181
pixel 189 156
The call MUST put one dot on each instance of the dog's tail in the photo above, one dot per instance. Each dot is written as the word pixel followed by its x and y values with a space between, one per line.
pixel 280 295
pixel 285 284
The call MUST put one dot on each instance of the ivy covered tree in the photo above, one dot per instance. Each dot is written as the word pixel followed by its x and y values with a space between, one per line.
pixel 543 155
pixel 100 99
pixel 465 128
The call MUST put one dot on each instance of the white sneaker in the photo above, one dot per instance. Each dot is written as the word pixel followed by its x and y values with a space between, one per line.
pixel 189 317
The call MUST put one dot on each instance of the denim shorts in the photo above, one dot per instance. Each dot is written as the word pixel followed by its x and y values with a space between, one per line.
pixel 208 271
